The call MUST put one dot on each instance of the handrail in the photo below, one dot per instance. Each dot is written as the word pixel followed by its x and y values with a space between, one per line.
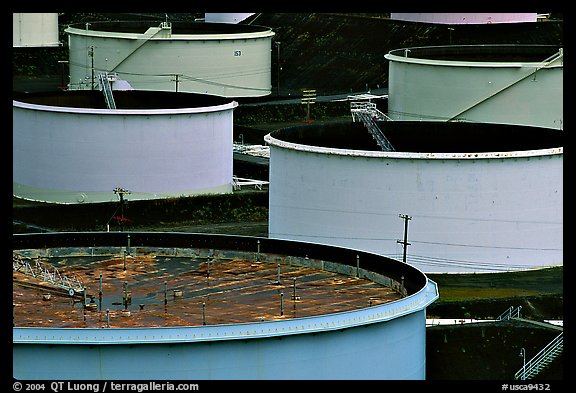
pixel 367 113
pixel 42 272
pixel 542 358
pixel 510 313
pixel 107 90
pixel 367 107
pixel 238 182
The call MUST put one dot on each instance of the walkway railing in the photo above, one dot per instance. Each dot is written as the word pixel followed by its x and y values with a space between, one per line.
pixel 46 274
pixel 368 114
pixel 107 90
pixel 510 313
pixel 542 359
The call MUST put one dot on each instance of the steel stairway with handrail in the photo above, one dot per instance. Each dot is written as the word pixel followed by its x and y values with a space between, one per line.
pixel 368 113
pixel 542 359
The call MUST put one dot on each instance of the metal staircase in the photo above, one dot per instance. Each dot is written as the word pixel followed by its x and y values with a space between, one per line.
pixel 165 29
pixel 107 90
pixel 510 313
pixel 46 275
pixel 542 359
pixel 369 114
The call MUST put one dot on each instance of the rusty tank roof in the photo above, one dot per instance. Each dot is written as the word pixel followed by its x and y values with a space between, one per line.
pixel 160 291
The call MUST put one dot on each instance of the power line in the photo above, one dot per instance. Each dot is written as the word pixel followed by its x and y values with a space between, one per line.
pixel 465 245
pixel 439 217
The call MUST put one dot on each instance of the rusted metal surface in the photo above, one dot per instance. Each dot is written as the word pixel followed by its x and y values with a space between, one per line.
pixel 163 291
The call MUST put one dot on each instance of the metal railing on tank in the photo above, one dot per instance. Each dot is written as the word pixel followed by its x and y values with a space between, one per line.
pixel 369 114
pixel 542 359
pixel 47 275
pixel 510 313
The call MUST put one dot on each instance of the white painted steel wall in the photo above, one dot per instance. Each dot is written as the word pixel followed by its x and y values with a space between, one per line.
pixel 499 212
pixel 465 18
pixel 34 29
pixel 74 155
pixel 383 341
pixel 226 17
pixel 379 342
pixel 226 65
pixel 523 93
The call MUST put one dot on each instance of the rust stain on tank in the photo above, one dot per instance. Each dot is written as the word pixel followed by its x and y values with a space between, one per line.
pixel 166 291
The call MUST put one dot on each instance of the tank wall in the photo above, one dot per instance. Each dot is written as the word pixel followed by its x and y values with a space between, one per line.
pixel 223 67
pixel 465 18
pixel 384 341
pixel 386 350
pixel 467 215
pixel 34 29
pixel 79 157
pixel 508 95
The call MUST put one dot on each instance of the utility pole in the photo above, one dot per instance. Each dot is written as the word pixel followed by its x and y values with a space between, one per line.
pixel 523 355
pixel 406 218
pixel 177 80
pixel 278 67
pixel 121 192
pixel 62 62
pixel 91 54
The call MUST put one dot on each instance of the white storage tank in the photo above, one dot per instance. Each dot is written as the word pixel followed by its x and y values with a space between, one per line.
pixel 68 147
pixel 34 29
pixel 511 84
pixel 481 197
pixel 355 315
pixel 212 58
pixel 455 18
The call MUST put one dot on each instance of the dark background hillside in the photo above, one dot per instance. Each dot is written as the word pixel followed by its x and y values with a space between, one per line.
pixel 342 52
pixel 329 52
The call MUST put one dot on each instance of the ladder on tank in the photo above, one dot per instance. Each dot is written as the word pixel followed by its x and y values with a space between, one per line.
pixel 107 90
pixel 49 275
pixel 368 114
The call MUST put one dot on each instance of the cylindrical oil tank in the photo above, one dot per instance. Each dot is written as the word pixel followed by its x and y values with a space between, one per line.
pixel 455 18
pixel 34 30
pixel 512 84
pixel 480 197
pixel 68 147
pixel 385 341
pixel 221 59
